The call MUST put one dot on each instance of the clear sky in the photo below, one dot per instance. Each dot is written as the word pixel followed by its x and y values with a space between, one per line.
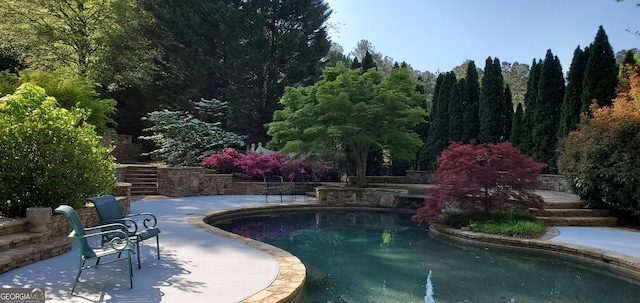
pixel 437 35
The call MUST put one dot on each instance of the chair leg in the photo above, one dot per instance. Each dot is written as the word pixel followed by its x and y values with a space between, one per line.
pixel 158 245
pixel 138 251
pixel 77 275
pixel 130 270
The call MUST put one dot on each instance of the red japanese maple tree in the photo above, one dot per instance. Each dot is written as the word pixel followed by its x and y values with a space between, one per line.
pixel 481 178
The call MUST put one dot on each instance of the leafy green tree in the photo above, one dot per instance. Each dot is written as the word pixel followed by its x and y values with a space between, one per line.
pixel 48 155
pixel 600 74
pixel 471 118
pixel 184 140
pixel 491 104
pixel 572 102
pixel 516 76
pixel 349 111
pixel 62 33
pixel 547 111
pixel 10 60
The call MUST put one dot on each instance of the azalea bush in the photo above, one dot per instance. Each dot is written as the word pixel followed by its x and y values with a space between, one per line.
pixel 257 166
pixel 479 179
pixel 601 159
pixel 48 155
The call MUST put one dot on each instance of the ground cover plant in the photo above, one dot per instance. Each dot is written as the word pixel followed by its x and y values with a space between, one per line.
pixel 48 155
pixel 478 179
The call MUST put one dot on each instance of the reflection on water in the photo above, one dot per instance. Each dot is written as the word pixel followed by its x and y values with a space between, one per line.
pixel 384 257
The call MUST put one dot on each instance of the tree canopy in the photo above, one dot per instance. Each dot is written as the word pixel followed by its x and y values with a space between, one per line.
pixel 347 111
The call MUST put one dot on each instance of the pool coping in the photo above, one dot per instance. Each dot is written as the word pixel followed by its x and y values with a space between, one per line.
pixel 288 284
pixel 626 266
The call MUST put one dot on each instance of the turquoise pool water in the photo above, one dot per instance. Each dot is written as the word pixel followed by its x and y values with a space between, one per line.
pixel 371 256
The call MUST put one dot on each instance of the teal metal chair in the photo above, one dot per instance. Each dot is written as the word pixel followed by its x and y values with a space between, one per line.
pixel 272 186
pixel 109 211
pixel 118 244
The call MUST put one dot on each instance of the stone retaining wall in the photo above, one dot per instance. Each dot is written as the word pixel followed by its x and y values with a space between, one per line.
pixel 363 197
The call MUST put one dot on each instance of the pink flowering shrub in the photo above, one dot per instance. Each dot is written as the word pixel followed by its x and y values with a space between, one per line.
pixel 257 166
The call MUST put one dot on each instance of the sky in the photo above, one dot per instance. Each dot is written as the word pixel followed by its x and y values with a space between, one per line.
pixel 438 35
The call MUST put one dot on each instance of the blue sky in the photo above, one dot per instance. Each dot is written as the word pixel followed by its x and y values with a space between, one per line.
pixel 437 35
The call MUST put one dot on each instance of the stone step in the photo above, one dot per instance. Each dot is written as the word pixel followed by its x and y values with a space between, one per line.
pixel 11 241
pixel 582 212
pixel 9 225
pixel 563 205
pixel 579 221
pixel 30 253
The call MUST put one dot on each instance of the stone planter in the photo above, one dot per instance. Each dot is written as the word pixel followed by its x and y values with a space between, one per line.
pixel 38 217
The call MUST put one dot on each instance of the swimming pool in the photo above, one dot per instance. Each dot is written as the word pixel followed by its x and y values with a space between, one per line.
pixel 375 256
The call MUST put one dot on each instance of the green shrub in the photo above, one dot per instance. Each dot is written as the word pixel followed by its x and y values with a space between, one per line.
pixel 48 155
pixel 513 224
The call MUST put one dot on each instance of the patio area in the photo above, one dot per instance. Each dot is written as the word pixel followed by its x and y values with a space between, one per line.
pixel 198 266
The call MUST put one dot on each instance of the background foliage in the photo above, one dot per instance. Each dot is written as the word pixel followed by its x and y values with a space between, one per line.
pixel 48 155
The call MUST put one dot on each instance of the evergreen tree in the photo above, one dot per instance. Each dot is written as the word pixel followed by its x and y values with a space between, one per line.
pixel 355 64
pixel 367 62
pixel 457 104
pixel 516 126
pixel 547 111
pixel 442 126
pixel 572 102
pixel 508 111
pixel 471 119
pixel 601 73
pixel 427 158
pixel 492 104
pixel 530 100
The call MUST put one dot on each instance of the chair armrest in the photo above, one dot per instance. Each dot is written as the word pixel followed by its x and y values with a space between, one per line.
pixel 130 224
pixel 149 221
pixel 118 239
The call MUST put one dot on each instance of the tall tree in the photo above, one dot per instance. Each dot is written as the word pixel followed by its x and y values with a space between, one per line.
pixel 507 111
pixel 58 32
pixel 427 155
pixel 547 111
pixel 600 74
pixel 530 101
pixel 471 118
pixel 367 62
pixel 491 105
pixel 517 126
pixel 516 75
pixel 457 103
pixel 572 101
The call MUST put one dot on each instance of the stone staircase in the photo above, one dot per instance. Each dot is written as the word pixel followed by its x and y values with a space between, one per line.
pixel 143 179
pixel 19 247
pixel 566 210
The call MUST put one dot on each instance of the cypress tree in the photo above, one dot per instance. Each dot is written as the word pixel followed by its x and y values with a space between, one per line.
pixel 516 126
pixel 471 119
pixel 367 62
pixel 355 64
pixel 547 111
pixel 444 96
pixel 427 157
pixel 491 104
pixel 601 73
pixel 457 103
pixel 572 102
pixel 508 112
pixel 530 100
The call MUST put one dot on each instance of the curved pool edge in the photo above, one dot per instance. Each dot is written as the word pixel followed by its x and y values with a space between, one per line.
pixel 288 284
pixel 621 264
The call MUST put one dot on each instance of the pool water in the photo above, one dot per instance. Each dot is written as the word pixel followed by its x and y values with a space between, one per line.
pixel 372 256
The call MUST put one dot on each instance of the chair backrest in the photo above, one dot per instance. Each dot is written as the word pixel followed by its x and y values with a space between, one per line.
pixel 273 180
pixel 301 178
pixel 78 229
pixel 107 207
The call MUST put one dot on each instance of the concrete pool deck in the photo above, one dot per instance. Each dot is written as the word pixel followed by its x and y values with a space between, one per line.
pixel 198 266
